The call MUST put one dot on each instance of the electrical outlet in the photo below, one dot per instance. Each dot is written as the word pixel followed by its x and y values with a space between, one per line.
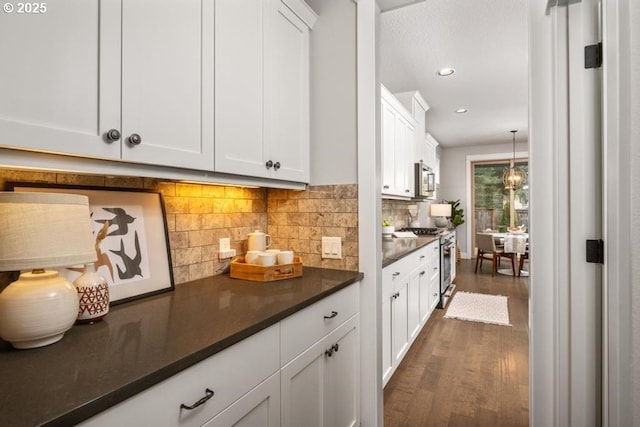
pixel 332 247
pixel 230 253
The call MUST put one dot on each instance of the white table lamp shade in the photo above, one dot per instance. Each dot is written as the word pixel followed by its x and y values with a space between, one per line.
pixel 440 209
pixel 39 230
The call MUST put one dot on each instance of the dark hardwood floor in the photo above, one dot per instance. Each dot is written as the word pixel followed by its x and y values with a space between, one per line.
pixel 461 373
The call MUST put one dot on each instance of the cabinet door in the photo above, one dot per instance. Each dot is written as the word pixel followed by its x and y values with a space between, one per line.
pixel 286 93
pixel 413 304
pixel 259 407
pixel 425 289
pixel 408 189
pixel 262 90
pixel 317 391
pixel 60 78
pixel 434 280
pixel 388 132
pixel 399 324
pixel 167 82
pixel 239 82
pixel 387 356
pixel 342 386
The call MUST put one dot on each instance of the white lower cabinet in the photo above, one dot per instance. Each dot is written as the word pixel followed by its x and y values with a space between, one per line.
pixel 259 407
pixel 410 292
pixel 413 304
pixel 395 333
pixel 304 370
pixel 225 377
pixel 434 281
pixel 320 386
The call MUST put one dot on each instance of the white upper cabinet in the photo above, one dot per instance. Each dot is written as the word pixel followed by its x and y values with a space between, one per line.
pixel 398 135
pixel 262 88
pixel 59 85
pixel 167 82
pixel 415 103
pixel 431 145
pixel 86 77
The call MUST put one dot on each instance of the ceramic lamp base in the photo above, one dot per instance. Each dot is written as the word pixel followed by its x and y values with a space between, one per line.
pixel 441 221
pixel 37 309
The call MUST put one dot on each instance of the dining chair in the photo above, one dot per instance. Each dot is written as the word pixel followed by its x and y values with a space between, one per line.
pixel 488 250
pixel 523 257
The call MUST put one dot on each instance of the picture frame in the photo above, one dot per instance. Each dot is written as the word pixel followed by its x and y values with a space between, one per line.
pixel 132 242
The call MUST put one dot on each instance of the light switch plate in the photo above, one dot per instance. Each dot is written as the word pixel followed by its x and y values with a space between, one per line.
pixel 332 247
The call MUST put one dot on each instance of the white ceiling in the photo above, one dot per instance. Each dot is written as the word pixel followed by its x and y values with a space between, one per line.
pixel 485 41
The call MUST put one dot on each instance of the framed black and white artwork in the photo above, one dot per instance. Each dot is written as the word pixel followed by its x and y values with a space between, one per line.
pixel 131 239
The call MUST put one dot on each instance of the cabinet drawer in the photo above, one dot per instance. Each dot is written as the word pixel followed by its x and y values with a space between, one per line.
pixel 433 249
pixel 418 258
pixel 392 274
pixel 301 330
pixel 229 374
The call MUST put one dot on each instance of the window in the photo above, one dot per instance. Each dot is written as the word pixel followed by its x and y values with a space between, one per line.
pixel 494 206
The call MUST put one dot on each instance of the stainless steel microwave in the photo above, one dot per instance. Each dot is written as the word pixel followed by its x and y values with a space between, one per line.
pixel 425 181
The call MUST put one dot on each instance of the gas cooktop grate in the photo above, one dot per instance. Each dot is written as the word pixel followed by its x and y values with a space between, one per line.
pixel 422 231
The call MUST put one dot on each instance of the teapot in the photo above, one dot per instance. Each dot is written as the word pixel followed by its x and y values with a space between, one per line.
pixel 258 241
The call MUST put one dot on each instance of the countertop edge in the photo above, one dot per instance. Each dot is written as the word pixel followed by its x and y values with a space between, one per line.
pixel 421 243
pixel 111 399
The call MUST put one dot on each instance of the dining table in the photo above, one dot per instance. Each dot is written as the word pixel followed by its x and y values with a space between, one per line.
pixel 513 242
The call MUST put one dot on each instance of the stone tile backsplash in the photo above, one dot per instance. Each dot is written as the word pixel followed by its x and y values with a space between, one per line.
pixel 298 220
pixel 396 212
pixel 199 215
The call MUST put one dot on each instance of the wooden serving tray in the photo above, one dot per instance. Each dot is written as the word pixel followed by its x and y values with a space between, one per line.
pixel 241 270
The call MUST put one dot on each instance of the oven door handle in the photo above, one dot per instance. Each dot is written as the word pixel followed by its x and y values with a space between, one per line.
pixel 447 248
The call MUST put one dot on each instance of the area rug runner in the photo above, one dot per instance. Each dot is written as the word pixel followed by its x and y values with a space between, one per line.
pixel 479 308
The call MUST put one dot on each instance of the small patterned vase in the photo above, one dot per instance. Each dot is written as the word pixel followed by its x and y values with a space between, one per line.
pixel 93 295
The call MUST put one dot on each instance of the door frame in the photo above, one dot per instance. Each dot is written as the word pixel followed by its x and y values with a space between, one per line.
pixel 565 377
pixel 471 158
pixel 621 234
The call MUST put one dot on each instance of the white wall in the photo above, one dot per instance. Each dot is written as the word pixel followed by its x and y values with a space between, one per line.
pixel 333 93
pixel 453 178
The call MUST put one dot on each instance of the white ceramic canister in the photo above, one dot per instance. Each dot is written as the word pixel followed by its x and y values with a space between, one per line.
pixel 258 241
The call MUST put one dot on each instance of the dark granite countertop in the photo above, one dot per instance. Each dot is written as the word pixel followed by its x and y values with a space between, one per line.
pixel 140 343
pixel 394 248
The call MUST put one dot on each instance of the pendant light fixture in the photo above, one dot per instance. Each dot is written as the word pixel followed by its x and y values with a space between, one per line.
pixel 513 177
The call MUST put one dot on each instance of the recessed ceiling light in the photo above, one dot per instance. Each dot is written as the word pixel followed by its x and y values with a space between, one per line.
pixel 443 72
pixel 461 110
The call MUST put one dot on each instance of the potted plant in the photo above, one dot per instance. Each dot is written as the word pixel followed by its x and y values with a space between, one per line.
pixel 457 213
pixel 387 227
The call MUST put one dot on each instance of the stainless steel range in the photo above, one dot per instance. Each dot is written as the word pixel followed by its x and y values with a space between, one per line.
pixel 447 256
